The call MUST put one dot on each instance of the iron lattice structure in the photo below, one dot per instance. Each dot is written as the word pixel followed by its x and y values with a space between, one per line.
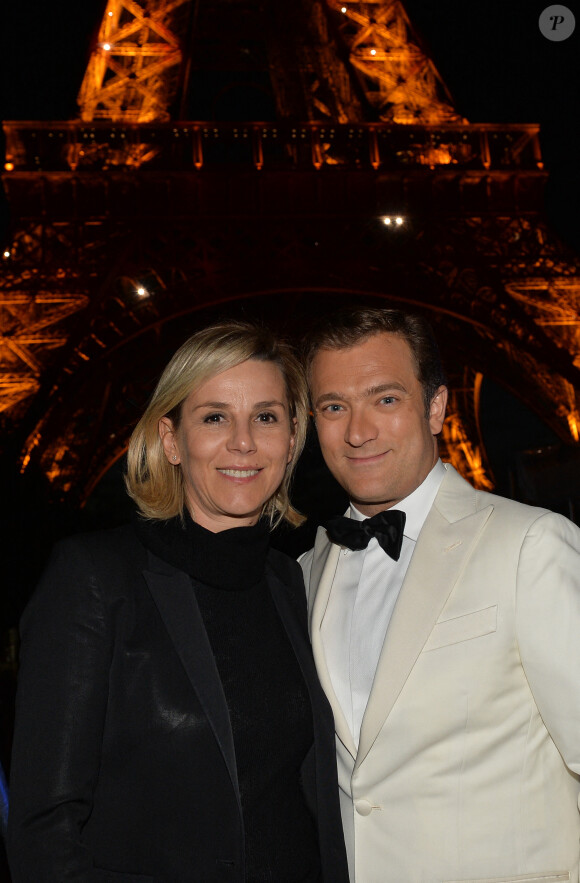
pixel 131 227
pixel 133 70
pixel 398 79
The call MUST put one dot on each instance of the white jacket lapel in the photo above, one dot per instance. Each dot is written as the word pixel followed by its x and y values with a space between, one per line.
pixel 444 545
pixel 324 564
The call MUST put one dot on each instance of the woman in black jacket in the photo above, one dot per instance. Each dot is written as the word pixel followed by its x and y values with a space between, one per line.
pixel 170 725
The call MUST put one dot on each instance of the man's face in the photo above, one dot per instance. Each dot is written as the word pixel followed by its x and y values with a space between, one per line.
pixel 370 416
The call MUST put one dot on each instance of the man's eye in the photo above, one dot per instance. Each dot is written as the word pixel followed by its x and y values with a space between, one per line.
pixel 331 409
pixel 388 400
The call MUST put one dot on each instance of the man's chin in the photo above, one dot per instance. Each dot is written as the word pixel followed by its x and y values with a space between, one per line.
pixel 370 501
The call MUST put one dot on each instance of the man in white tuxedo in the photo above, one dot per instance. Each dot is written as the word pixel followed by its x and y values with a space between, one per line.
pixel 450 651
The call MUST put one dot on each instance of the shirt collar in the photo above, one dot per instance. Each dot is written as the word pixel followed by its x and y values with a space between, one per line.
pixel 417 505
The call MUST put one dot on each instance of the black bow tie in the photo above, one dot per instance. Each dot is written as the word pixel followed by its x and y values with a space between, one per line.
pixel 386 526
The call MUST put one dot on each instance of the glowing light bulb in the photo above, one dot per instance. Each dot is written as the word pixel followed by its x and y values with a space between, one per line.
pixel 110 14
pixel 142 292
pixel 386 221
pixel 398 221
pixel 107 47
pixel 343 9
pixel 9 166
pixel 373 51
pixel 6 254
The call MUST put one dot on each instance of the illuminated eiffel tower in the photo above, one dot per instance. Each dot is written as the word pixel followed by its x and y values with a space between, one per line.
pixel 273 159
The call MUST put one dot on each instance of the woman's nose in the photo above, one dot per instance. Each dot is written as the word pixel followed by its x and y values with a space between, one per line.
pixel 242 437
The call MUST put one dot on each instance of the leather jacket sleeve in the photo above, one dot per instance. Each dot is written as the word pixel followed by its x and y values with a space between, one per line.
pixel 60 712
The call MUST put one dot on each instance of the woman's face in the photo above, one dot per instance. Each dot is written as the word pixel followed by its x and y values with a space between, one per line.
pixel 233 444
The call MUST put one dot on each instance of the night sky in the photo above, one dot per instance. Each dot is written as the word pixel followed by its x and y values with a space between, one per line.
pixel 492 55
pixel 497 65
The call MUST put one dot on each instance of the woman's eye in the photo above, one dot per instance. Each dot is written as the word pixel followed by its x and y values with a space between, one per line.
pixel 213 418
pixel 267 417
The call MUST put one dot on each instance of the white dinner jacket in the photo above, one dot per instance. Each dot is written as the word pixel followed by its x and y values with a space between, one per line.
pixel 469 755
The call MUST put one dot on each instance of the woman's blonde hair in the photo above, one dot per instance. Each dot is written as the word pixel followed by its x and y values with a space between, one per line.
pixel 157 487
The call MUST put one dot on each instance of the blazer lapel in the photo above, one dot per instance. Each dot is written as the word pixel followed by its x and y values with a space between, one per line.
pixel 324 564
pixel 441 551
pixel 173 594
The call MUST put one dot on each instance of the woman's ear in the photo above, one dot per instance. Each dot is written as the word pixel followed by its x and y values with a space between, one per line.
pixel 168 440
pixel 293 426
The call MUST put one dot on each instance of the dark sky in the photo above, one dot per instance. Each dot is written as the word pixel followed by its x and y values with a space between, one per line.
pixel 492 55
pixel 500 68
pixel 45 49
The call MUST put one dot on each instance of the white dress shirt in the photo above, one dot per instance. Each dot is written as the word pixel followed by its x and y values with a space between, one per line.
pixel 361 603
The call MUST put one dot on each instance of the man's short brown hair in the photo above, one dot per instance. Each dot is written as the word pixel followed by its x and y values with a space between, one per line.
pixel 350 327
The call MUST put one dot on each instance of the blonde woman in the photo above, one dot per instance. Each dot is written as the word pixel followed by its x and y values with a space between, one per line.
pixel 170 725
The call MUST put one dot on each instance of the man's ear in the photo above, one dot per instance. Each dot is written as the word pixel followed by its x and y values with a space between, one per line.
pixel 168 440
pixel 437 410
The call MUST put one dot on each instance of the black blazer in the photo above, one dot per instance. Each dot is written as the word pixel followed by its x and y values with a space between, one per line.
pixel 123 767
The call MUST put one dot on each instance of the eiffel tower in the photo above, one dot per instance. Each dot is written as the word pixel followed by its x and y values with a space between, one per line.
pixel 257 158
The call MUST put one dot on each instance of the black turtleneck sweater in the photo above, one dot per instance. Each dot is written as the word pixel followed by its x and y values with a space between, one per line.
pixel 266 695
